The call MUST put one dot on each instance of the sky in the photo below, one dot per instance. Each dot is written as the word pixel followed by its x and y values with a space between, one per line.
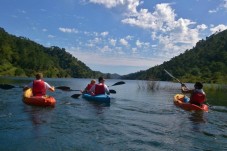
pixel 116 36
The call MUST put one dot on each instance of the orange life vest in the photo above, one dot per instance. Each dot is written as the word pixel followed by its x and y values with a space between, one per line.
pixel 38 88
pixel 99 89
pixel 197 98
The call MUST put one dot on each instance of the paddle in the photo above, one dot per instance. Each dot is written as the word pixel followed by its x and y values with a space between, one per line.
pixel 118 83
pixel 65 88
pixel 173 76
pixel 111 91
pixel 8 86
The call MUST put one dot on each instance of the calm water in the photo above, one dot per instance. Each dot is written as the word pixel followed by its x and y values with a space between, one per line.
pixel 135 120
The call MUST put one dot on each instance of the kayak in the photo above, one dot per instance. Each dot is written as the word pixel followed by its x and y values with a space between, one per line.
pixel 43 101
pixel 98 98
pixel 178 101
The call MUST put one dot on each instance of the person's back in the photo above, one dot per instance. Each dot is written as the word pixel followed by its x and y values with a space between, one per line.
pixel 89 86
pixel 198 96
pixel 38 88
pixel 99 89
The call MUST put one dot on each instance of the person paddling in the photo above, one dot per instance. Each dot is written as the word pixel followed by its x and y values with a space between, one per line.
pixel 198 96
pixel 89 86
pixel 39 86
pixel 100 88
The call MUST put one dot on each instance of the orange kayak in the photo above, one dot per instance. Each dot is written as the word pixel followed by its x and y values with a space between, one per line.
pixel 178 101
pixel 43 101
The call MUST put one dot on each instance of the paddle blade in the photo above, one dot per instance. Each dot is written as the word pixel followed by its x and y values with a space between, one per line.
pixel 64 88
pixel 119 83
pixel 76 96
pixel 6 86
pixel 113 91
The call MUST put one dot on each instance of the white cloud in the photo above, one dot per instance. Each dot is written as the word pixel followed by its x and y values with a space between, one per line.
pixel 218 28
pixel 108 3
pixel 202 27
pixel 213 11
pixel 95 40
pixel 44 30
pixel 112 42
pixel 140 44
pixel 104 33
pixel 106 49
pixel 68 30
pixel 51 36
pixel 171 35
pixel 129 37
pixel 174 35
pixel 124 42
pixel 222 5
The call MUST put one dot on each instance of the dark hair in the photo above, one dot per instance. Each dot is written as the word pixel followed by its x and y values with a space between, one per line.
pixel 100 79
pixel 39 76
pixel 198 85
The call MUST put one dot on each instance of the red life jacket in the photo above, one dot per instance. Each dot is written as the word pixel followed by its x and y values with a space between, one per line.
pixel 197 98
pixel 89 87
pixel 99 89
pixel 38 88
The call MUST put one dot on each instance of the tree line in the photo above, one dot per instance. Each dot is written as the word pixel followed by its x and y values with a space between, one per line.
pixel 23 57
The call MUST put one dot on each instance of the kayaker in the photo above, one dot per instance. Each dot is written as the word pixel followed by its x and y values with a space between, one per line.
pixel 198 96
pixel 39 86
pixel 88 87
pixel 100 88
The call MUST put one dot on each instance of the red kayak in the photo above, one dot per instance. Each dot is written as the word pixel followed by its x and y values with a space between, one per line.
pixel 43 101
pixel 178 101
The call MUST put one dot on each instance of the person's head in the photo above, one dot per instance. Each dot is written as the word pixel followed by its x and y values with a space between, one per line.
pixel 39 76
pixel 101 80
pixel 93 81
pixel 198 85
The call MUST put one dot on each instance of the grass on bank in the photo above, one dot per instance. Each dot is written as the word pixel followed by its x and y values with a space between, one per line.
pixel 148 85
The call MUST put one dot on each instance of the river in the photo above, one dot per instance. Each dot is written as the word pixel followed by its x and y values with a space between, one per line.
pixel 137 119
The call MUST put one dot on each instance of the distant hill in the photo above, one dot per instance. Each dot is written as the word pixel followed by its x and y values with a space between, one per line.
pixel 206 62
pixel 23 57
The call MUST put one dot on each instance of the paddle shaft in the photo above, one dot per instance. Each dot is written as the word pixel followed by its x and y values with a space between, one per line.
pixel 172 76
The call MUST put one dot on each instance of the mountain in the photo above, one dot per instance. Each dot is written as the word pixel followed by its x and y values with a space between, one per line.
pixel 23 57
pixel 206 62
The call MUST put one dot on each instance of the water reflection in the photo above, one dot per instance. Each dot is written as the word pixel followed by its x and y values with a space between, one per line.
pixel 197 119
pixel 38 115
pixel 99 106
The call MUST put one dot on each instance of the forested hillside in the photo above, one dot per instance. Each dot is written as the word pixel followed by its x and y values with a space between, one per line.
pixel 206 62
pixel 20 56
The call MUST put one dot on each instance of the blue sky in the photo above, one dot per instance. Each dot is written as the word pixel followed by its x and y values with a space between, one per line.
pixel 116 36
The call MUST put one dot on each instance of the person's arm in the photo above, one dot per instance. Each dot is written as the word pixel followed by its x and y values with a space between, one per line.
pixel 184 89
pixel 26 87
pixel 51 88
pixel 107 89
pixel 92 90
